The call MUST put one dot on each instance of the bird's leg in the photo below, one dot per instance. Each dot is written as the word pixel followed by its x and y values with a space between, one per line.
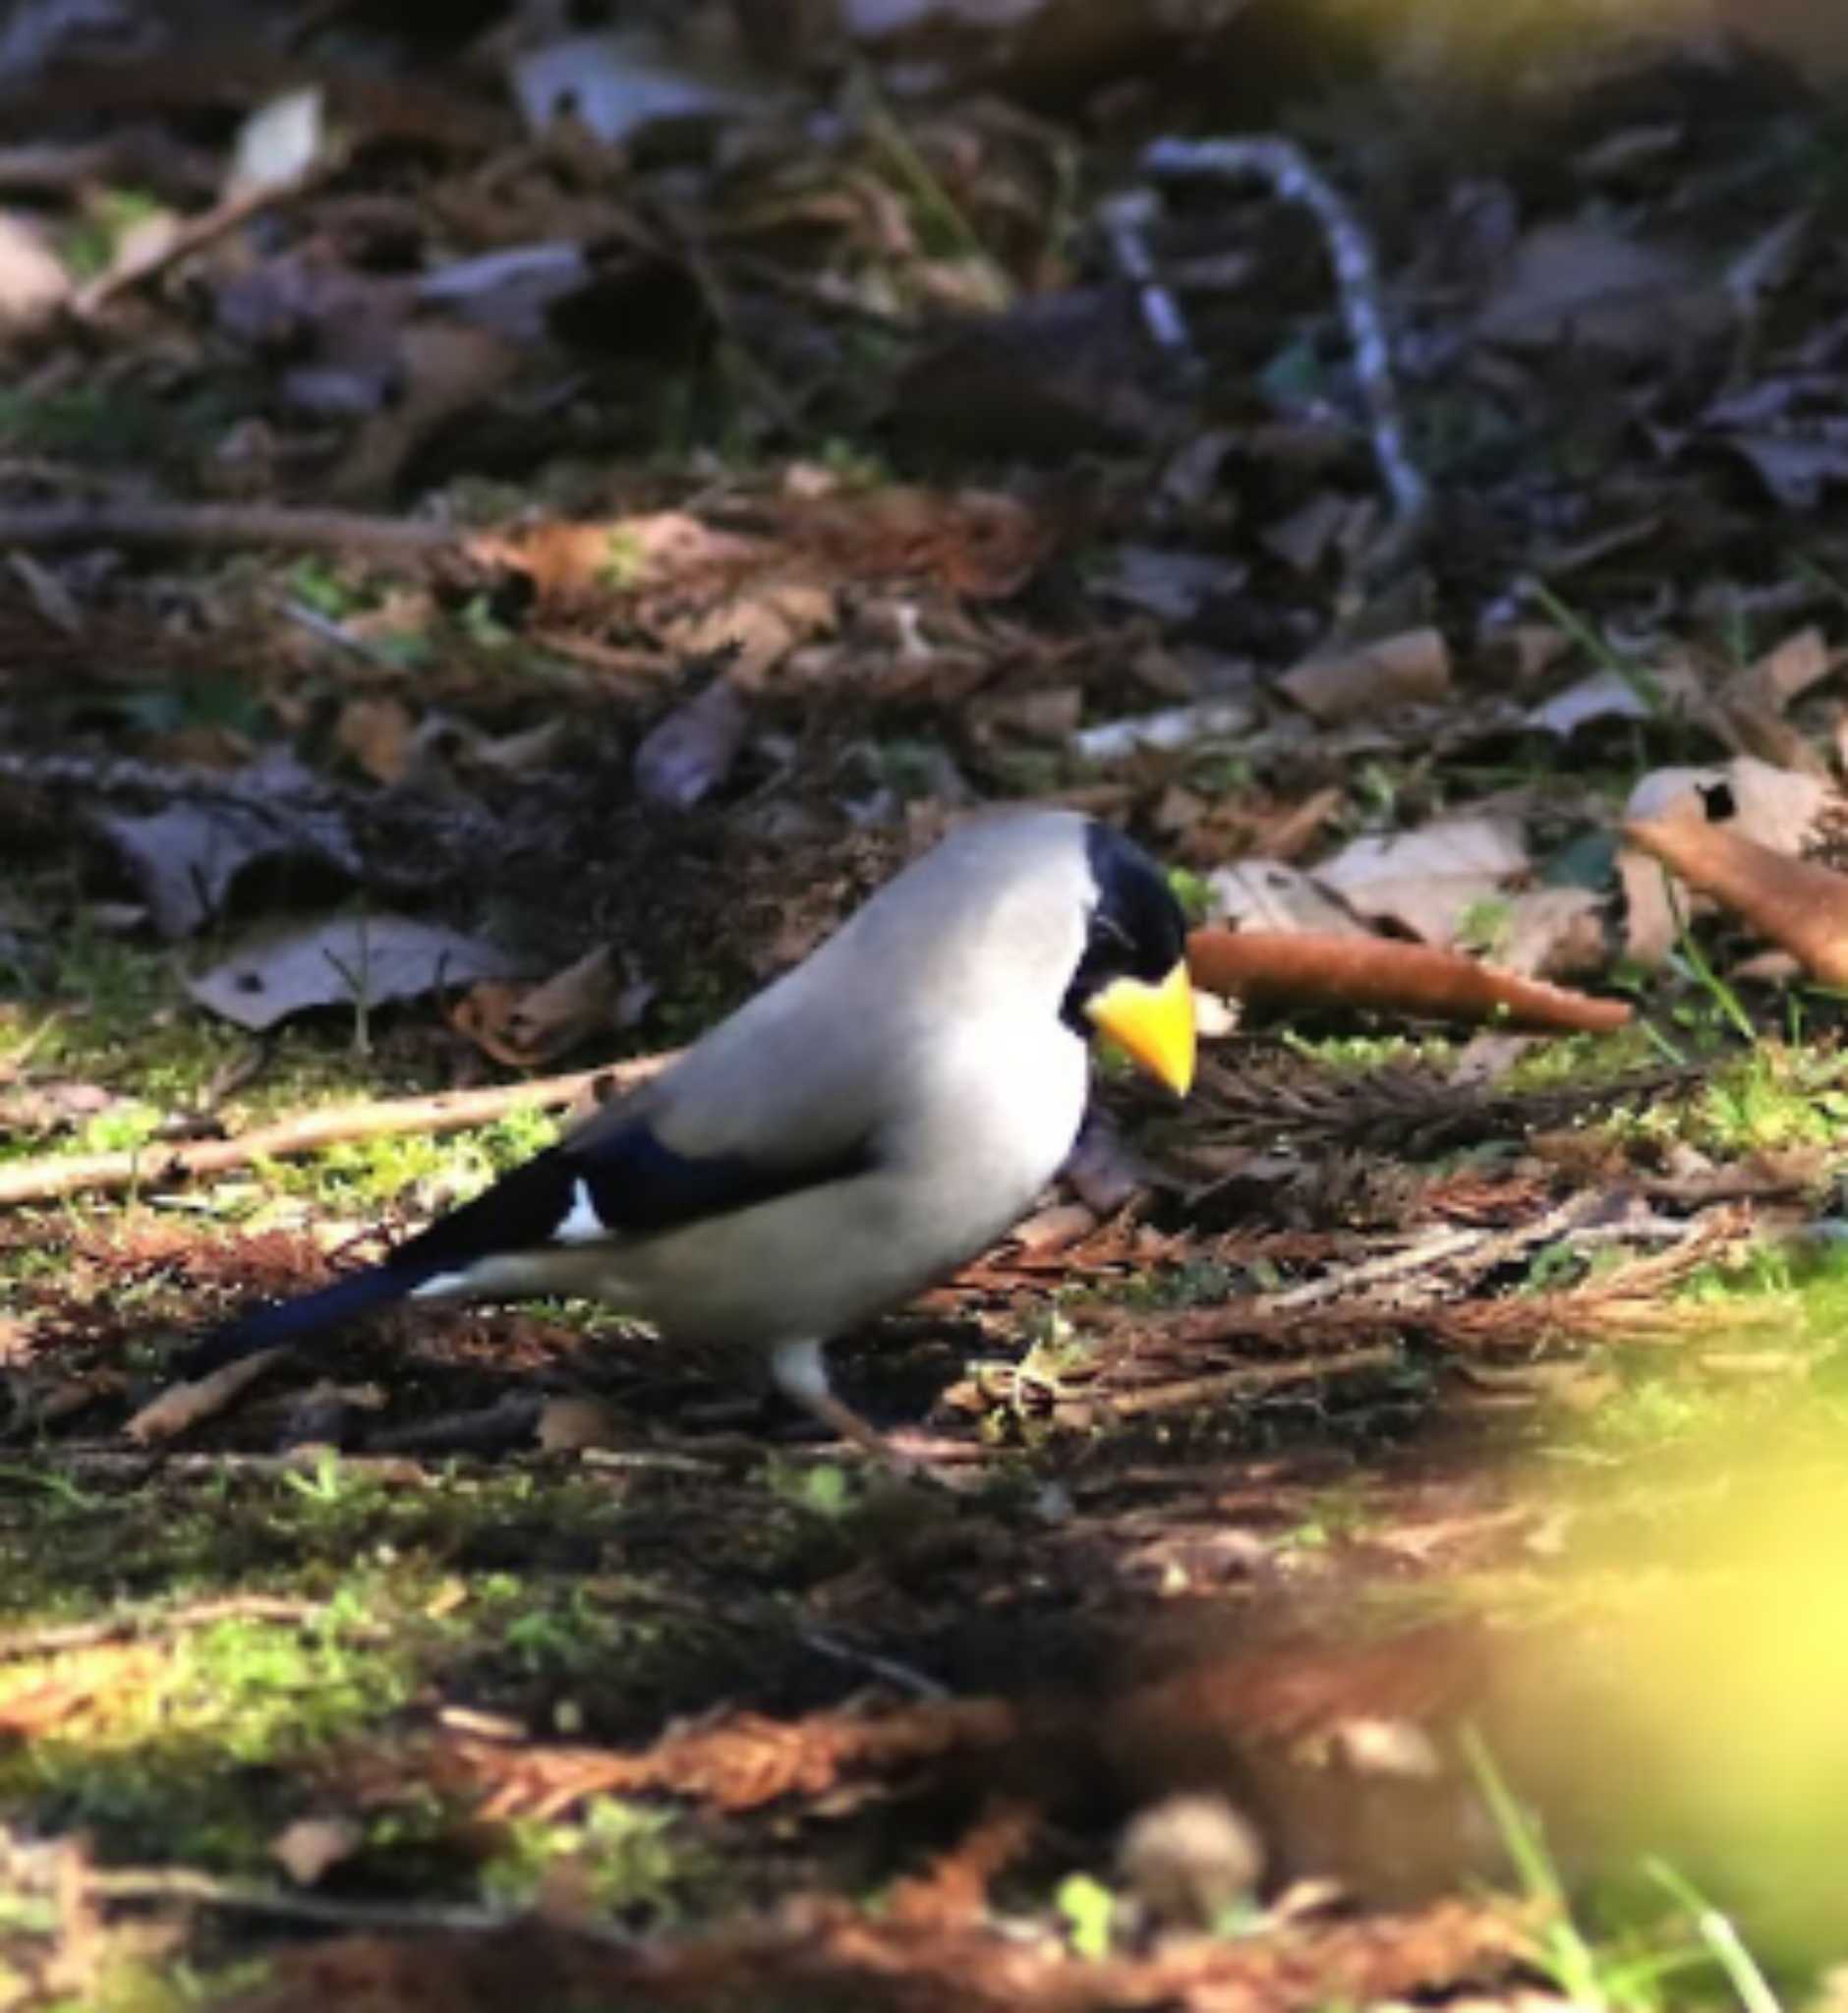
pixel 799 1372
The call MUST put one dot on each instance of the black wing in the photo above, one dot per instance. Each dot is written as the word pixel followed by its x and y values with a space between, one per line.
pixel 618 1180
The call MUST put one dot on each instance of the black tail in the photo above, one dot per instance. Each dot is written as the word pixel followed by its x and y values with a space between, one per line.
pixel 303 1318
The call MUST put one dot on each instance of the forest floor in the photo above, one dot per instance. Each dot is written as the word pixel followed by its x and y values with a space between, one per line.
pixel 1393 1532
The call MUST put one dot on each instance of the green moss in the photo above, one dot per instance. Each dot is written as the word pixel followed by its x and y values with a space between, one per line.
pixel 626 1859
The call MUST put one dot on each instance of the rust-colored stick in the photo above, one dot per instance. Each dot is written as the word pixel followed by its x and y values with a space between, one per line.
pixel 1275 968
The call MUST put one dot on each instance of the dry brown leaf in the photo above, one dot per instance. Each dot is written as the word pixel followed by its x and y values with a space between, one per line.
pixel 181 1406
pixel 187 856
pixel 33 284
pixel 1788 671
pixel 754 630
pixel 739 1764
pixel 312 1847
pixel 1583 286
pixel 341 960
pixel 1399 670
pixel 1776 808
pixel 1796 903
pixel 1751 727
pixel 1554 933
pixel 378 735
pixel 571 564
pixel 33 1701
pixel 1427 880
pixel 449 369
pixel 566 1425
pixel 952 1890
pixel 1524 653
pixel 524 1026
pixel 1270 895
pixel 1046 713
pixel 1609 695
pixel 1305 538
pixel 685 757
pixel 1054 1227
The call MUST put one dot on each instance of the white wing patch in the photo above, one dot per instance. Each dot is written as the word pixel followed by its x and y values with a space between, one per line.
pixel 580 1223
pixel 440 1286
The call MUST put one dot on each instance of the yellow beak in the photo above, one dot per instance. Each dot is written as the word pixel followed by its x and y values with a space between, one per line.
pixel 1152 1024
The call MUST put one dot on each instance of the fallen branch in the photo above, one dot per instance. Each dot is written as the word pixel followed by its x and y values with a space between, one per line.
pixel 1296 179
pixel 183 1884
pixel 60 526
pixel 137 1623
pixel 1254 1380
pixel 1278 967
pixel 191 236
pixel 1126 219
pixel 447 1111
pixel 181 1406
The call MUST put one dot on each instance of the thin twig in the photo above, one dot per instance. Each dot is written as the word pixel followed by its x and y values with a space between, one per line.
pixel 1254 1380
pixel 1125 219
pixel 1296 179
pixel 900 1675
pixel 136 1622
pixel 446 1111
pixel 1481 1249
pixel 182 1884
pixel 59 526
pixel 190 235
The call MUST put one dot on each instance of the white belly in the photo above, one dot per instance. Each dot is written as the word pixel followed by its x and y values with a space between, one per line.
pixel 993 1129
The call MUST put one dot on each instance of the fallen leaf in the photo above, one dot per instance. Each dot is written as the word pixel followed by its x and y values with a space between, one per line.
pixel 1789 671
pixel 1175 726
pixel 1554 933
pixel 1054 1227
pixel 1583 286
pixel 1170 585
pixel 279 143
pixel 571 564
pixel 690 753
pixel 756 630
pixel 1047 712
pixel 33 284
pixel 1610 695
pixel 312 1847
pixel 524 1028
pixel 378 735
pixel 1427 880
pixel 566 1425
pixel 622 81
pixel 1271 895
pixel 184 1405
pixel 1399 670
pixel 447 370
pixel 1796 903
pixel 1524 652
pixel 1770 262
pixel 33 1701
pixel 1766 804
pixel 1797 466
pixel 49 595
pixel 519 754
pixel 1305 538
pixel 185 858
pixel 342 960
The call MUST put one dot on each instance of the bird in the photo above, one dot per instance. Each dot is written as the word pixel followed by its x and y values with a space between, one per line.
pixel 852 1135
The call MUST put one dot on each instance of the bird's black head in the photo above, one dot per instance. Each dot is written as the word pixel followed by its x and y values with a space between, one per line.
pixel 1131 978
